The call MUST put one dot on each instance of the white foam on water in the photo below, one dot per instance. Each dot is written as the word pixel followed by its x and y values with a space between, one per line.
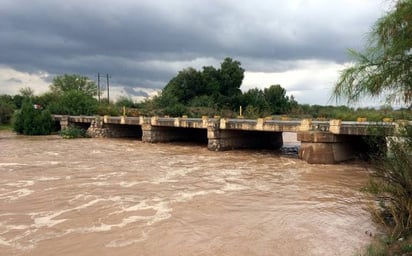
pixel 234 187
pixel 21 183
pixel 12 164
pixel 103 227
pixel 126 184
pixel 43 178
pixel 16 194
pixel 96 183
pixel 52 153
pixel 187 196
pixel 4 242
pixel 172 174
pixel 123 242
pixel 47 221
pixel 138 207
pixel 7 228
pixel 47 162
pixel 108 175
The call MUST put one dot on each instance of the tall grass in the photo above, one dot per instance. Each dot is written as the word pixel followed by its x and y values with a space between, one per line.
pixel 391 182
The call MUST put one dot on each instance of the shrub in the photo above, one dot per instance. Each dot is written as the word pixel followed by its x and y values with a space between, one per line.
pixel 72 132
pixel 392 184
pixel 31 121
pixel 6 112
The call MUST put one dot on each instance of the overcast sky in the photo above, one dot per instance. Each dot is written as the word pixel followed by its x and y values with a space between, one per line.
pixel 142 44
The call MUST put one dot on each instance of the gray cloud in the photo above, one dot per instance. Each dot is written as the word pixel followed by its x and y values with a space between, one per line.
pixel 14 80
pixel 144 43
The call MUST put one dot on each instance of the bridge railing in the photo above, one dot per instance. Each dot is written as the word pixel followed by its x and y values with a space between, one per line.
pixel 332 126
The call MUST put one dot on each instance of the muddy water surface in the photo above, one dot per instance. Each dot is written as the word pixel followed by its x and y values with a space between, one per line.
pixel 125 197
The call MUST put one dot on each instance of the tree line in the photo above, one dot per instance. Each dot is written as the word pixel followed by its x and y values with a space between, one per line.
pixel 194 93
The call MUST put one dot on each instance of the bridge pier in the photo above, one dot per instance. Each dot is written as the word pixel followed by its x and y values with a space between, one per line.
pixel 64 122
pixel 154 134
pixel 324 147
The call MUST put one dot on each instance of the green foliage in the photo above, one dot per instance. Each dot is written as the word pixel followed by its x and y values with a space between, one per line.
pixel 27 92
pixel 385 66
pixel 107 109
pixel 74 103
pixel 208 88
pixel 6 109
pixel 125 102
pixel 175 110
pixel 31 121
pixel 276 99
pixel 252 112
pixel 231 77
pixel 185 86
pixel 270 101
pixel 67 83
pixel 72 132
pixel 392 184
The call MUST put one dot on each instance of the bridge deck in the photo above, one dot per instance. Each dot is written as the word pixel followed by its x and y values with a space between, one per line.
pixel 333 126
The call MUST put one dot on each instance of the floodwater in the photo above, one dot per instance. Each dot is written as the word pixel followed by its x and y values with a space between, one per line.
pixel 125 197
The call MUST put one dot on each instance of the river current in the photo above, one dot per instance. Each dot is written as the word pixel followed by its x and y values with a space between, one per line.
pixel 126 197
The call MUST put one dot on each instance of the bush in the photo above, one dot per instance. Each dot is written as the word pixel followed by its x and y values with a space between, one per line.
pixel 108 109
pixel 72 132
pixel 392 184
pixel 6 112
pixel 31 121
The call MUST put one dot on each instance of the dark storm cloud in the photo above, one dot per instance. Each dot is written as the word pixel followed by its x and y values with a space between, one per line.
pixel 144 43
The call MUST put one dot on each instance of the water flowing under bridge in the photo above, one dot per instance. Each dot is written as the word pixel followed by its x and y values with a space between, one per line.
pixel 323 142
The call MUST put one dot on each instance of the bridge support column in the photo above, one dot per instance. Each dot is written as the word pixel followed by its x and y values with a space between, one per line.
pixel 64 122
pixel 324 147
pixel 153 134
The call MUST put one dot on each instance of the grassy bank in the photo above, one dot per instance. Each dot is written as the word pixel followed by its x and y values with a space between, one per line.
pixel 385 246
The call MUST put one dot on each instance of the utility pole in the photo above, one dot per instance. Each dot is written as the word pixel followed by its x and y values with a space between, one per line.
pixel 107 80
pixel 98 86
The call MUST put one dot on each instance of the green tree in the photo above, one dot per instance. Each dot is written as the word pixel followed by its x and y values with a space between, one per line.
pixel 74 103
pixel 211 81
pixel 73 82
pixel 384 68
pixel 276 99
pixel 254 98
pixel 27 92
pixel 31 121
pixel 231 77
pixel 124 101
pixel 186 85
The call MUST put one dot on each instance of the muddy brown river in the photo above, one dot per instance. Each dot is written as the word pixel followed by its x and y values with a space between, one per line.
pixel 125 197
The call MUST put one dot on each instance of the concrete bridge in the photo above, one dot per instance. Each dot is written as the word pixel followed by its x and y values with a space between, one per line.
pixel 322 142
